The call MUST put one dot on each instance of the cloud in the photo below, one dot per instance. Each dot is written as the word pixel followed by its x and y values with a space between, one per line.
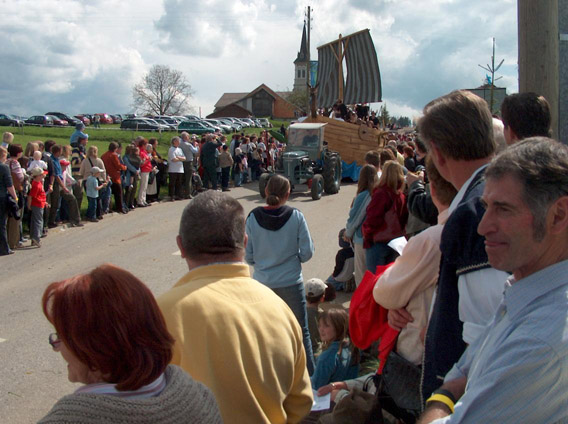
pixel 59 63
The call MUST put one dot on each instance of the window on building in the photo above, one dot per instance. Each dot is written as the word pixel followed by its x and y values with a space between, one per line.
pixel 299 73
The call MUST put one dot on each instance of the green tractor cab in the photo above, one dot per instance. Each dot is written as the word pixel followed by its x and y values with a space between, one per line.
pixel 307 160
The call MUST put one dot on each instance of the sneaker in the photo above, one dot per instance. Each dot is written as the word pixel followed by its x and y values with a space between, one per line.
pixel 36 243
pixel 78 224
pixel 93 220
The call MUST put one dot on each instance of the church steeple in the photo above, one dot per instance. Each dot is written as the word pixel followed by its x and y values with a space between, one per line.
pixel 300 64
pixel 303 53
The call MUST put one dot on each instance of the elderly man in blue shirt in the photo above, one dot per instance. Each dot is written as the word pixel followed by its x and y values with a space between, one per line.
pixel 517 370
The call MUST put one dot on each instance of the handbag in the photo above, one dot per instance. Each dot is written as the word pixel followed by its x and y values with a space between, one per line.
pixel 393 229
pixel 358 407
pixel 401 380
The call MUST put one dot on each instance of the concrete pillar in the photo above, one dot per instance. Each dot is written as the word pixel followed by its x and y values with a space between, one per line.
pixel 563 71
pixel 538 25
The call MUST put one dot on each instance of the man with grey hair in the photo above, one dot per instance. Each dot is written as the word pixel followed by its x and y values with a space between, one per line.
pixel 189 149
pixel 232 333
pixel 516 371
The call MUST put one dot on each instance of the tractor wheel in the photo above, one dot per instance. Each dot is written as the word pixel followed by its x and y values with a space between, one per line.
pixel 331 172
pixel 262 183
pixel 317 186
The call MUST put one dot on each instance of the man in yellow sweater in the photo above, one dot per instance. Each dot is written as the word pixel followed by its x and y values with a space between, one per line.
pixel 233 333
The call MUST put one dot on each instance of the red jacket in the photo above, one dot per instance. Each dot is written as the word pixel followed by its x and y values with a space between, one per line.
pixel 382 200
pixel 146 162
pixel 113 166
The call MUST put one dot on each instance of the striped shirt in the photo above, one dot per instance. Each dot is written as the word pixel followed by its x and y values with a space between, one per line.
pixel 144 392
pixel 517 370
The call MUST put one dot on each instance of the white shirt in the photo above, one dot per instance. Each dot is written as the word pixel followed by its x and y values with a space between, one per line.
pixel 480 291
pixel 175 167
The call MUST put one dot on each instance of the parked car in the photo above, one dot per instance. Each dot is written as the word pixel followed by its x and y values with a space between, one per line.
pixel 10 121
pixel 249 121
pixel 41 120
pixel 116 119
pixel 139 124
pixel 191 118
pixel 235 126
pixel 172 124
pixel 64 117
pixel 58 121
pixel 213 127
pixel 224 127
pixel 84 119
pixel 161 127
pixel 105 118
pixel 195 127
pixel 265 123
pixel 243 123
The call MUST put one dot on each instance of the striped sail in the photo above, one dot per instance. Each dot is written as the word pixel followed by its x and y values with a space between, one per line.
pixel 328 75
pixel 363 75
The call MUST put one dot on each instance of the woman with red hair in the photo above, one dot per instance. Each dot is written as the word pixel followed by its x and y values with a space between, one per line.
pixel 113 337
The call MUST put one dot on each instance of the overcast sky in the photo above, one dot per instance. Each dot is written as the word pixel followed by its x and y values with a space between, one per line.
pixel 85 56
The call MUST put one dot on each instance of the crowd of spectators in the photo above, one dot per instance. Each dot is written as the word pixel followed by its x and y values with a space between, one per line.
pixel 132 175
pixel 476 295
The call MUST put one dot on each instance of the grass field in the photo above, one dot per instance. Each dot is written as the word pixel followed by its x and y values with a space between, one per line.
pixel 103 136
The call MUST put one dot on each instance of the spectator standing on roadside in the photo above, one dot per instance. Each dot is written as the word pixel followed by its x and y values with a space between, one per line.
pixel 7 139
pixel 145 169
pixel 36 202
pixel 91 160
pixel 45 148
pixel 6 187
pixel 232 333
pixel 77 134
pixel 97 123
pixel 93 187
pixel 190 150
pixel 175 170
pixel 209 161
pixel 114 168
pixel 66 194
pixel 18 180
pixel 225 162
pixel 78 154
pixel 525 115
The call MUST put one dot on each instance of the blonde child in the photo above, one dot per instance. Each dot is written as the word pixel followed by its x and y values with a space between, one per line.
pixel 339 359
pixel 92 188
pixel 37 162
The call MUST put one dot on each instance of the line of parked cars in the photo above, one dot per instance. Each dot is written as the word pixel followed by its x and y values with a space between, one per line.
pixel 192 123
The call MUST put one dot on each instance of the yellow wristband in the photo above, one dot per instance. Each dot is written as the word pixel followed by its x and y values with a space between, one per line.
pixel 437 397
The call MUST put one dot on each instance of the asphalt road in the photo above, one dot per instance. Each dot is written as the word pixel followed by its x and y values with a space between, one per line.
pixel 32 376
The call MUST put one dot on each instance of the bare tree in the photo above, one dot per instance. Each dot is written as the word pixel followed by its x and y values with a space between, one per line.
pixel 162 91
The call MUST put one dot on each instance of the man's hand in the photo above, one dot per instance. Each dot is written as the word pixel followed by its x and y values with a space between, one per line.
pixel 411 177
pixel 399 318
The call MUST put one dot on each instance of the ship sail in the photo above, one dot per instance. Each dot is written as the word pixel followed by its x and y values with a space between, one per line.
pixel 363 83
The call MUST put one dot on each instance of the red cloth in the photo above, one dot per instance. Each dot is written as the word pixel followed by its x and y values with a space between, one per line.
pixel 37 193
pixel 146 163
pixel 381 202
pixel 113 166
pixel 368 320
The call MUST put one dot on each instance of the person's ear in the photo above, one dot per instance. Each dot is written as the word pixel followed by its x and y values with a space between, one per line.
pixel 246 240
pixel 180 246
pixel 558 216
pixel 437 156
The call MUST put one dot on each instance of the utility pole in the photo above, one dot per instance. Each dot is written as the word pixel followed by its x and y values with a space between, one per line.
pixel 492 69
pixel 309 56
pixel 538 26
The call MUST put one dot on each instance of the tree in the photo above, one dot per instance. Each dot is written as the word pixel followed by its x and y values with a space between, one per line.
pixel 162 91
pixel 300 99
pixel 384 115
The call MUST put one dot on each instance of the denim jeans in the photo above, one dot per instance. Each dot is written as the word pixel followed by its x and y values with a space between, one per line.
pixel 295 298
pixel 92 207
pixel 379 254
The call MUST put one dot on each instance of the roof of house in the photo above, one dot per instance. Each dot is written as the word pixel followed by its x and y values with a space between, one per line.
pixel 228 98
